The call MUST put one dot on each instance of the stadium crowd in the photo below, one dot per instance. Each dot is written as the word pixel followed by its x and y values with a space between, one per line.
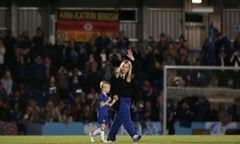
pixel 45 82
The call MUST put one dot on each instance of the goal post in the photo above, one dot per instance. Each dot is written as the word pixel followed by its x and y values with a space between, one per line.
pixel 169 90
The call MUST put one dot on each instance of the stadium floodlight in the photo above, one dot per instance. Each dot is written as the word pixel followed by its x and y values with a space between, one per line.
pixel 196 1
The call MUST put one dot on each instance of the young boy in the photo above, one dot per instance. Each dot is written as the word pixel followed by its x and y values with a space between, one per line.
pixel 103 118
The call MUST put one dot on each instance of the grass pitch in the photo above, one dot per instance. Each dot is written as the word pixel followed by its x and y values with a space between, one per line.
pixel 161 139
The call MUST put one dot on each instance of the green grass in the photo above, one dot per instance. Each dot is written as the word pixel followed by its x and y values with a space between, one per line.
pixel 196 139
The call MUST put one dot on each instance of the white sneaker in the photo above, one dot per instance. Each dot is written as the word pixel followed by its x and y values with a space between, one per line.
pixel 136 138
pixel 92 137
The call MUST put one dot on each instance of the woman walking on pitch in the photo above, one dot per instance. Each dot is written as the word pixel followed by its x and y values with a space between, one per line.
pixel 123 89
pixel 103 118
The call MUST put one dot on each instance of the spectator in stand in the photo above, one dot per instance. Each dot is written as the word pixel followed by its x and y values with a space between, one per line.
pixel 93 102
pixel 83 57
pixel 174 79
pixel 2 56
pixel 7 83
pixel 93 77
pixel 182 51
pixel 52 114
pixel 52 92
pixel 236 43
pixel 147 91
pixel 21 71
pixel 76 108
pixel 162 44
pixel 147 112
pixel 72 55
pixel 115 57
pixel 102 42
pixel 42 114
pixel 3 93
pixel 235 61
pixel 198 77
pixel 171 116
pixel 16 113
pixel 103 57
pixel 24 91
pixel 184 73
pixel 23 46
pixel 185 114
pixel 168 60
pixel 32 113
pixel 83 99
pixel 76 79
pixel 37 40
pixel 222 43
pixel 171 49
pixel 86 115
pixel 107 71
pixel 59 50
pixel 19 104
pixel 157 69
pixel 201 109
pixel 153 61
pixel 38 74
pixel 62 82
pixel 114 40
pixel 92 95
pixel 235 112
pixel 65 116
pixel 151 42
pixel 61 105
pixel 47 49
pixel 37 43
pixel 9 43
pixel 137 110
pixel 222 75
pixel 183 60
pixel 123 42
pixel 224 113
pixel 157 105
pixel 91 58
pixel 50 68
pixel 91 47
pixel 5 114
pixel 137 71
pixel 180 41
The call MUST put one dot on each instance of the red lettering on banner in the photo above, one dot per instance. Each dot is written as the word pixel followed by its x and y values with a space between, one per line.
pixel 80 25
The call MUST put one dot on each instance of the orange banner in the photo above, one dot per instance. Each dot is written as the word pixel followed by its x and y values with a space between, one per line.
pixel 82 25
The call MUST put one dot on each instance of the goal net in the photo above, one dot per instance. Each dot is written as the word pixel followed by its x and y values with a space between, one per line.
pixel 200 93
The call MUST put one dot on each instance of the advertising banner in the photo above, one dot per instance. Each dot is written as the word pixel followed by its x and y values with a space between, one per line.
pixel 84 25
pixel 218 128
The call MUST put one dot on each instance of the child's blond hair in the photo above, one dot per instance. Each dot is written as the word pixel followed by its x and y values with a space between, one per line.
pixel 103 82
